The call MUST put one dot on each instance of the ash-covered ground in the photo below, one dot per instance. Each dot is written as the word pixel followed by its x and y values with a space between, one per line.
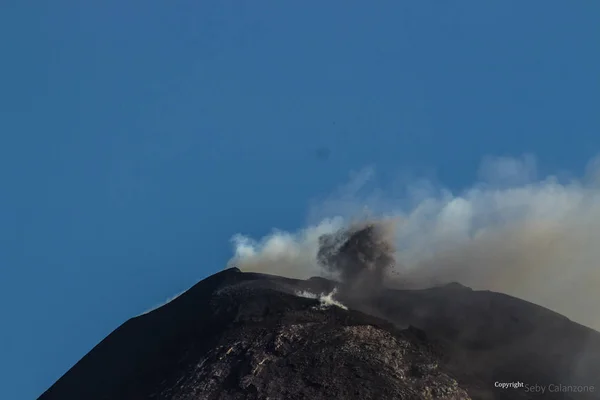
pixel 238 335
pixel 250 336
pixel 243 335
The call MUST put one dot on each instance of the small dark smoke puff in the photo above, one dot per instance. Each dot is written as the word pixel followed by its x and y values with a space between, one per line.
pixel 360 254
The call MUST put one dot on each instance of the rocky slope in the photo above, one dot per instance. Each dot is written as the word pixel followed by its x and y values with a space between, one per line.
pixel 245 336
pixel 241 335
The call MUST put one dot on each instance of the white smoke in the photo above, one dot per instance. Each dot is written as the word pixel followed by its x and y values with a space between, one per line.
pixel 326 300
pixel 289 254
pixel 537 239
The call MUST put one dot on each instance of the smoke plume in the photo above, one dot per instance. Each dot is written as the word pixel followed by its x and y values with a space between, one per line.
pixel 512 232
pixel 360 255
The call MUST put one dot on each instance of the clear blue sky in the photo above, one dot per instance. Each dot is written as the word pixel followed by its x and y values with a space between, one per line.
pixel 137 136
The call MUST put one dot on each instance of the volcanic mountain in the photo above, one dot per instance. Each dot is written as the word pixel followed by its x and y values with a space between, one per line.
pixel 242 335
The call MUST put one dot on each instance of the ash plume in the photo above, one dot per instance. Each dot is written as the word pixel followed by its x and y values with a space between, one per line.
pixel 532 237
pixel 359 254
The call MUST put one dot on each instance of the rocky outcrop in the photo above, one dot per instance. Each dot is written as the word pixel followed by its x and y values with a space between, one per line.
pixel 282 347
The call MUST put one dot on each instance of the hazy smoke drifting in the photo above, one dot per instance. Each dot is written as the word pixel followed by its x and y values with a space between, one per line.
pixel 360 254
pixel 537 239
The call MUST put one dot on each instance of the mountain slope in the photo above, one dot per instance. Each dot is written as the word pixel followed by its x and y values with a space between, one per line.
pixel 491 337
pixel 235 336
pixel 241 335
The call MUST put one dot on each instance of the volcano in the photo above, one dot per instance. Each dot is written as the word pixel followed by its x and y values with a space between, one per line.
pixel 243 335
pixel 238 335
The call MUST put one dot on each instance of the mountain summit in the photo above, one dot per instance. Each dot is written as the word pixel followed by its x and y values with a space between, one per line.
pixel 239 335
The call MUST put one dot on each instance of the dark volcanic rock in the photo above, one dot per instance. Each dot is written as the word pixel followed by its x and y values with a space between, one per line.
pixel 236 336
pixel 281 347
pixel 489 337
pixel 249 336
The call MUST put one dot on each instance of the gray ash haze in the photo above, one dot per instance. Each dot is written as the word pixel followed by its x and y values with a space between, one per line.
pixel 536 238
pixel 359 254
